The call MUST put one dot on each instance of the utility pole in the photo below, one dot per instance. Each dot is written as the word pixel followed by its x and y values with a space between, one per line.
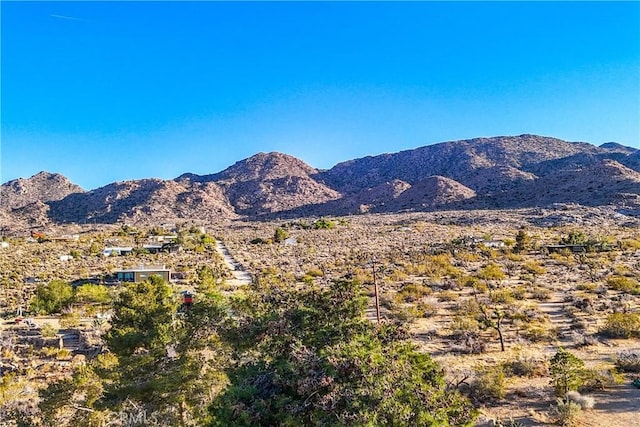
pixel 375 290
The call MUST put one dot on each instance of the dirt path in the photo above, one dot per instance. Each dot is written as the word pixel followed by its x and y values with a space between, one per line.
pixel 240 276
pixel 554 309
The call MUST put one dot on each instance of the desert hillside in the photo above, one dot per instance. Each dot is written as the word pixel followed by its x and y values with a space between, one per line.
pixel 500 172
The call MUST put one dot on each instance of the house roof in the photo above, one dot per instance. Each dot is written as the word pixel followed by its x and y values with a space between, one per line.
pixel 143 269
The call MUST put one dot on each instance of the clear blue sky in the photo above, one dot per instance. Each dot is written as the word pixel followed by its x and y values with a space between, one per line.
pixel 106 91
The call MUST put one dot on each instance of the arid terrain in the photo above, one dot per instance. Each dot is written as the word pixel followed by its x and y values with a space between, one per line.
pixel 496 256
pixel 437 273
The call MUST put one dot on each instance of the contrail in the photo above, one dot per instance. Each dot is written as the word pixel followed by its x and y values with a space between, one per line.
pixel 71 18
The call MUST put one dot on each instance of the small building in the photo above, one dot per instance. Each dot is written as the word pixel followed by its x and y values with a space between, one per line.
pixel 140 274
pixel 493 243
pixel 117 250
pixel 152 249
pixel 477 241
pixel 169 238
pixel 561 248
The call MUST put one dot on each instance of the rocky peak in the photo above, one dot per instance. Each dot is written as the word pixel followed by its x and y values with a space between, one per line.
pixel 43 187
pixel 265 166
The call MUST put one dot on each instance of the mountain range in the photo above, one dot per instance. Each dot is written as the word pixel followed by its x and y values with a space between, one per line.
pixel 483 173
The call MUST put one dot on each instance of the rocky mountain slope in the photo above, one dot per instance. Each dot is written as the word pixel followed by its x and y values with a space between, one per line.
pixel 145 199
pixel 481 173
pixel 507 159
pixel 43 187
pixel 269 182
pixel 603 182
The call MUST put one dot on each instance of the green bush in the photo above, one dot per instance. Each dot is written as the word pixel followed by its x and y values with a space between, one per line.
pixel 52 297
pixel 566 372
pixel 413 292
pixel 541 294
pixel 623 284
pixel 599 378
pixel 323 224
pixel 92 293
pixel 48 331
pixel 280 235
pixel 502 296
pixel 490 383
pixel 622 325
pixel 70 320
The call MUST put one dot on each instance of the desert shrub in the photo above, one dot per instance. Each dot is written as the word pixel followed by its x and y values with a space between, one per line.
pixel 534 267
pixel 583 339
pixel 467 306
pixel 585 402
pixel 584 304
pixel 563 257
pixel 413 292
pixel 63 354
pixel 315 272
pixel 599 378
pixel 630 244
pixel 519 293
pixel 490 383
pixel 48 331
pixel 70 319
pixel 426 308
pixel 75 253
pixel 523 366
pixel 387 302
pixel 49 352
pixel 514 257
pixel 541 294
pixel 447 296
pixel 491 272
pixel 466 256
pixel 566 413
pixel 409 313
pixel 622 325
pixel 481 287
pixel 537 332
pixel 589 287
pixel 628 361
pixel 508 423
pixel 469 342
pixel 397 275
pixel 280 235
pixel 502 296
pixel 623 284
pixel 324 224
pixel 436 266
pixel 461 325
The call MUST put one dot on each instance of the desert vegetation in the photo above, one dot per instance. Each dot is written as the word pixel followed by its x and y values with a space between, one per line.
pixel 495 317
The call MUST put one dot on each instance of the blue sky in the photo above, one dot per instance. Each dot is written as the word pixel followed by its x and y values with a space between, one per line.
pixel 107 91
